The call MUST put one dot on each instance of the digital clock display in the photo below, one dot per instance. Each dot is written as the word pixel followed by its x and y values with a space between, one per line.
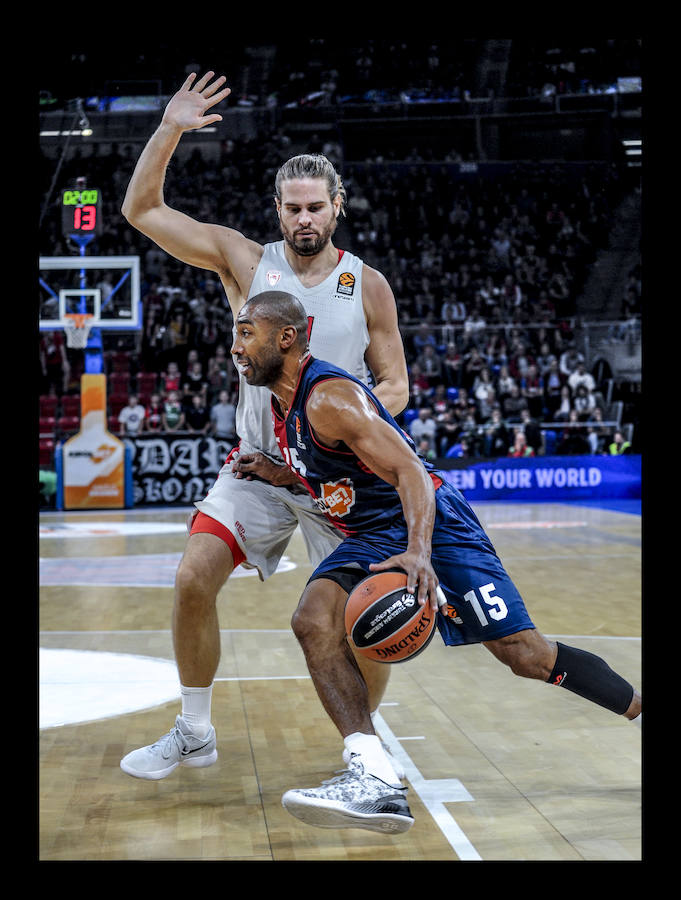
pixel 80 211
pixel 80 198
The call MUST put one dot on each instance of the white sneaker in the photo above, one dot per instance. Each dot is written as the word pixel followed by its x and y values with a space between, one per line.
pixel 180 747
pixel 352 800
pixel 397 766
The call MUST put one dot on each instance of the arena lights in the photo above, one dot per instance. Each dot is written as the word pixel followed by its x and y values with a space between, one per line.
pixel 632 151
pixel 82 132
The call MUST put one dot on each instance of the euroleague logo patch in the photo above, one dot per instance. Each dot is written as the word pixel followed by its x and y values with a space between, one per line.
pixel 346 284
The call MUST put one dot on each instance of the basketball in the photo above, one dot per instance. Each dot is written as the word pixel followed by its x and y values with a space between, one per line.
pixel 386 623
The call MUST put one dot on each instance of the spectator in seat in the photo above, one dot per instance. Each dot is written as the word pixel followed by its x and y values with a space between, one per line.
pixel 423 426
pixel 448 429
pixel 154 414
pixel 574 441
pixel 131 419
pixel 584 403
pixel 505 383
pixel 425 450
pixel 520 447
pixel 430 364
pixel 532 431
pixel 197 416
pixel 497 438
pixel 513 404
pixel 580 376
pixel 570 359
pixel 195 382
pixel 223 418
pixel 554 382
pixel 171 378
pixel 598 435
pixel 532 389
pixel 452 365
pixel 419 386
pixel 54 363
pixel 564 407
pixel 173 414
pixel 620 445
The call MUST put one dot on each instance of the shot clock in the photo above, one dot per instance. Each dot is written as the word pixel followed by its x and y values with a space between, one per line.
pixel 80 211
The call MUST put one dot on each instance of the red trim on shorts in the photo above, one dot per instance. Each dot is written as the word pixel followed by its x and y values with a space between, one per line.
pixel 203 524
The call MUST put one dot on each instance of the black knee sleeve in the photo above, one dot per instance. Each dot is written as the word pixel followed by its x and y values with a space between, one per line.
pixel 591 677
pixel 348 577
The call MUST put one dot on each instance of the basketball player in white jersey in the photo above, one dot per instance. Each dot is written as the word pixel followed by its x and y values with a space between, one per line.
pixel 251 512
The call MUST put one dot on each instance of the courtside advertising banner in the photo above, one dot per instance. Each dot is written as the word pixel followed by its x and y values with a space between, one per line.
pixel 91 465
pixel 548 478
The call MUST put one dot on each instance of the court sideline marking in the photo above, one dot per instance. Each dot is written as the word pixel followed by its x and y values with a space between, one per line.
pixel 433 793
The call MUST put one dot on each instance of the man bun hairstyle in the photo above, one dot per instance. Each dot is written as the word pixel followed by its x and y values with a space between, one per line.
pixel 311 165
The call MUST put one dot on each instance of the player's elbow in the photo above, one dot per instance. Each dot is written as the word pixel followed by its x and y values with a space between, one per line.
pixel 402 398
pixel 399 397
pixel 128 210
pixel 133 209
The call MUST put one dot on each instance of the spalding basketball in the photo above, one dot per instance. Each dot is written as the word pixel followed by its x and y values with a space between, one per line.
pixel 385 622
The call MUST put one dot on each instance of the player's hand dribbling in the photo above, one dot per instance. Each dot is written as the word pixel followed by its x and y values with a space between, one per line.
pixel 188 107
pixel 421 579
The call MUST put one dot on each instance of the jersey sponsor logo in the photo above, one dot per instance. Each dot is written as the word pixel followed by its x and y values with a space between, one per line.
pixel 299 440
pixel 346 284
pixel 273 278
pixel 338 497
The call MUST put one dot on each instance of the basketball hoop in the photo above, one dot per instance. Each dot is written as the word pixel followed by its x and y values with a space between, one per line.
pixel 77 328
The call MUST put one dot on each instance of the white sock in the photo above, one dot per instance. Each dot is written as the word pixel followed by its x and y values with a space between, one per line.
pixel 374 760
pixel 196 703
pixel 638 720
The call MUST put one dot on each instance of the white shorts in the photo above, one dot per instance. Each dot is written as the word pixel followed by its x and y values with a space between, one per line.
pixel 262 518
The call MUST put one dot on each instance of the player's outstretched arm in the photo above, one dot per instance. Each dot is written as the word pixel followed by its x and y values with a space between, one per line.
pixel 199 244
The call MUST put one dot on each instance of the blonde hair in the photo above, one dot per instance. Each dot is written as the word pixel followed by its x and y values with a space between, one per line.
pixel 311 165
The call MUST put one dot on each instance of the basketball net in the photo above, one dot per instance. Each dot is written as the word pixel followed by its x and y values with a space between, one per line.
pixel 77 328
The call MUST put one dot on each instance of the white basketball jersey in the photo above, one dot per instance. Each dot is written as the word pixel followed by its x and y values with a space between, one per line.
pixel 338 334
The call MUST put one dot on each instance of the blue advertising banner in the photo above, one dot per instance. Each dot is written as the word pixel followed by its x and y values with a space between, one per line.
pixel 548 478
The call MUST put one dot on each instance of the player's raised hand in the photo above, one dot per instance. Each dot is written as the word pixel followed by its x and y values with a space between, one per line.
pixel 188 108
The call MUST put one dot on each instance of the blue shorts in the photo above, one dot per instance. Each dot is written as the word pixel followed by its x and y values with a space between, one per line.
pixel 483 602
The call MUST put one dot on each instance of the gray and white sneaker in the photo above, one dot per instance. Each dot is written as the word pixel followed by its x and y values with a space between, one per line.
pixel 180 747
pixel 353 799
pixel 395 763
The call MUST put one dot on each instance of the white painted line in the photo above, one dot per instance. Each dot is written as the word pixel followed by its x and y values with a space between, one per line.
pixel 262 678
pixel 593 637
pixel 433 793
pixel 136 631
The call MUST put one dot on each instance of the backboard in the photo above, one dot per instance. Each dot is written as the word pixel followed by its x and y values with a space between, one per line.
pixel 106 287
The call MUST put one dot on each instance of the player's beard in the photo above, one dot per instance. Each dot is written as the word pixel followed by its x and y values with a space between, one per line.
pixel 265 370
pixel 309 246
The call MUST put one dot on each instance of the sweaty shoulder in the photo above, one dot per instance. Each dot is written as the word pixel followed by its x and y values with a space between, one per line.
pixel 336 409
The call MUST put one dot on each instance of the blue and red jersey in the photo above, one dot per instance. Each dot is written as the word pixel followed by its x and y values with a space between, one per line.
pixel 353 497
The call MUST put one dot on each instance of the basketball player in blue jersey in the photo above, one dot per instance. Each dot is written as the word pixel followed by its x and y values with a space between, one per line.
pixel 256 503
pixel 394 512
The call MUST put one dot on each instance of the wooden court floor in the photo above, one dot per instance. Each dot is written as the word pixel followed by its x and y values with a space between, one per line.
pixel 499 768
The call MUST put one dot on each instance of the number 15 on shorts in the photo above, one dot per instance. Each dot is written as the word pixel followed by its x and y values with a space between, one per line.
pixel 496 608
